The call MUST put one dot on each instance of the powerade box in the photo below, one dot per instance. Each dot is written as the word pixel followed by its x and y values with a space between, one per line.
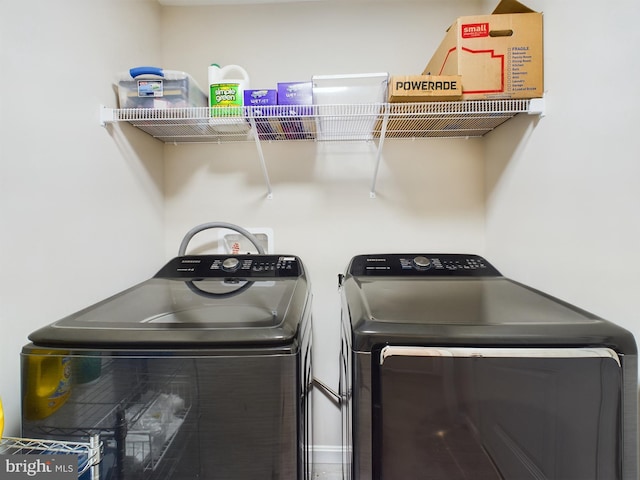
pixel 153 87
pixel 422 88
pixel 498 55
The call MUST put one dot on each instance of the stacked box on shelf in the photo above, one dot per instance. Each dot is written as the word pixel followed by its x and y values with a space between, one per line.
pixel 415 89
pixel 259 105
pixel 295 109
pixel 498 55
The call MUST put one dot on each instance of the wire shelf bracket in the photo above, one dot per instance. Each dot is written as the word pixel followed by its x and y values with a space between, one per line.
pixel 332 123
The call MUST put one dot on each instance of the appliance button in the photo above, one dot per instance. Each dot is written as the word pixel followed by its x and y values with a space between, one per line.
pixel 421 263
pixel 231 264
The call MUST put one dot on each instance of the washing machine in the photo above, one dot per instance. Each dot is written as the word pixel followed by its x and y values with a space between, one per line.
pixel 451 371
pixel 203 371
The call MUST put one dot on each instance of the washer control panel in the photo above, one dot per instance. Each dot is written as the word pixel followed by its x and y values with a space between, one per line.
pixel 231 266
pixel 422 264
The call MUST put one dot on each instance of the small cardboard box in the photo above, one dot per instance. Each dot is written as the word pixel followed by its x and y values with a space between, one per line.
pixel 424 88
pixel 498 55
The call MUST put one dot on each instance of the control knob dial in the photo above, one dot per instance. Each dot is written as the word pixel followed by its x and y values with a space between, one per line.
pixel 230 264
pixel 421 262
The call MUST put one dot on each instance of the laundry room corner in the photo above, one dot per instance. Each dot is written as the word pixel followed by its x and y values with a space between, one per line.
pixel 82 212
pixel 451 289
pixel 561 191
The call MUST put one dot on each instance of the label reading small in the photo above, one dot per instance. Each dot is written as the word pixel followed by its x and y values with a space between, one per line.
pixel 475 30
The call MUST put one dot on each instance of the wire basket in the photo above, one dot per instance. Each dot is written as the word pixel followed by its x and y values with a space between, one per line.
pixel 89 454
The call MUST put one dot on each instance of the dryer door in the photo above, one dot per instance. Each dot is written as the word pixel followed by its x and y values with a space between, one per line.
pixel 497 413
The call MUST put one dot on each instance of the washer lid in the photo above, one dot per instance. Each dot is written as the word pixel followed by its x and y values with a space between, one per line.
pixel 462 306
pixel 207 300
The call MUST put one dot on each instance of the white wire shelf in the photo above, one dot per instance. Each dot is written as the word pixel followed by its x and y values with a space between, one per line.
pixel 343 122
pixel 89 453
pixel 324 122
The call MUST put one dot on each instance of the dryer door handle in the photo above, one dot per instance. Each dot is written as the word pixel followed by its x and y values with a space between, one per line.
pixel 479 352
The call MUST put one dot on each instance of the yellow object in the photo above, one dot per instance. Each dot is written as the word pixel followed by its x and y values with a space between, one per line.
pixel 48 383
pixel 1 419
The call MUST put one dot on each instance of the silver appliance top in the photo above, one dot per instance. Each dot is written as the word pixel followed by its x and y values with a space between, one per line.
pixel 451 299
pixel 195 300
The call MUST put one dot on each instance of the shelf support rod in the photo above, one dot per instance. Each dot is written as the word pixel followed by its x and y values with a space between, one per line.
pixel 383 132
pixel 94 457
pixel 256 137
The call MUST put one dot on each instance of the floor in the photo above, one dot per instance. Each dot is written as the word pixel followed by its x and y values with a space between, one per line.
pixel 331 471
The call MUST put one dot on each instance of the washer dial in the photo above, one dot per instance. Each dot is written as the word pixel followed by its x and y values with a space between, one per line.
pixel 421 262
pixel 230 264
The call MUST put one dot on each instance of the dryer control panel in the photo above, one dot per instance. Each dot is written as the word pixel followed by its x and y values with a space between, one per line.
pixel 422 264
pixel 231 266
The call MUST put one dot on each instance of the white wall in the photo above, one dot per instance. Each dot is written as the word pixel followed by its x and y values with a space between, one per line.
pixel 322 212
pixel 430 192
pixel 81 206
pixel 556 206
pixel 563 197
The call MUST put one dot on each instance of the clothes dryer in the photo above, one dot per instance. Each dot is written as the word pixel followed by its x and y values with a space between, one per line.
pixel 451 371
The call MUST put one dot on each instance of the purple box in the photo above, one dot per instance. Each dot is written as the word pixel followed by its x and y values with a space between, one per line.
pixel 260 98
pixel 295 93
pixel 260 103
pixel 298 97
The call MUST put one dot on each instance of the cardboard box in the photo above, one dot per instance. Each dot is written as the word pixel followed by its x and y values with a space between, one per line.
pixel 498 55
pixel 424 88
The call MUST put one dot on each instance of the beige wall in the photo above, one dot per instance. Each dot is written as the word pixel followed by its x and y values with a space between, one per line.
pixel 563 197
pixel 81 206
pixel 552 201
pixel 430 193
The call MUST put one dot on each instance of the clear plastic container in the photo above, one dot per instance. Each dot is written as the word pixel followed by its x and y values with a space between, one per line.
pixel 335 93
pixel 153 87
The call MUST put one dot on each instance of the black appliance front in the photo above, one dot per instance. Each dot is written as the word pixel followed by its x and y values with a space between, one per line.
pixel 202 372
pixel 451 371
